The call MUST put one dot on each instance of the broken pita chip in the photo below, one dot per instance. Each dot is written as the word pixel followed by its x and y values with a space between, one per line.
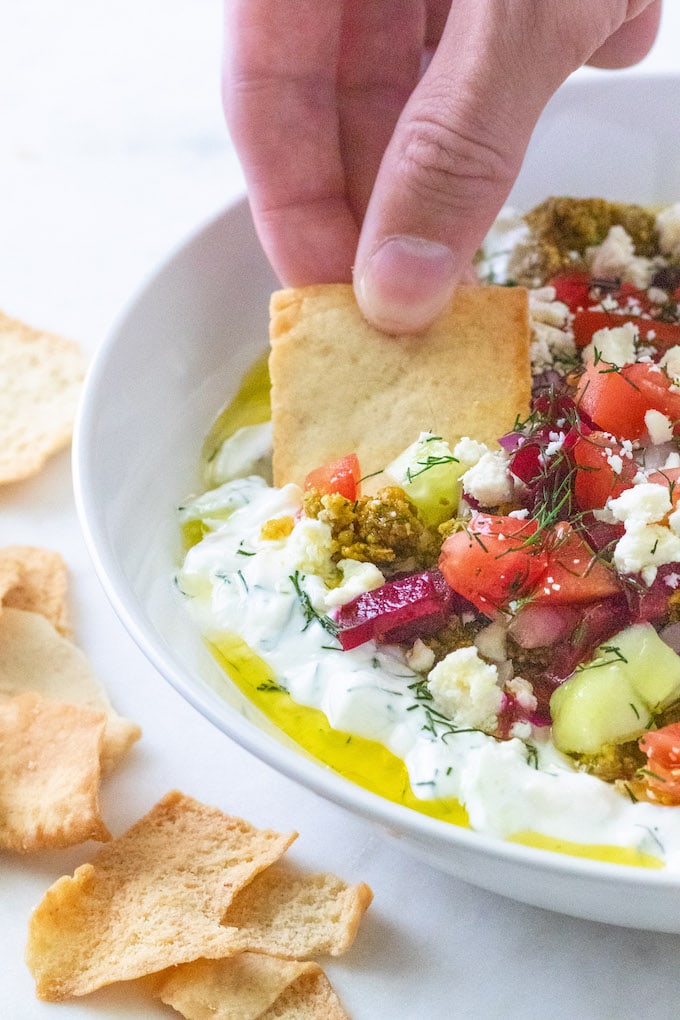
pixel 286 912
pixel 42 376
pixel 49 774
pixel 340 386
pixel 35 579
pixel 34 657
pixel 152 898
pixel 250 986
pixel 310 997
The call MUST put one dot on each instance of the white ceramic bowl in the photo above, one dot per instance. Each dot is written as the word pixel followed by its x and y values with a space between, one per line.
pixel 176 358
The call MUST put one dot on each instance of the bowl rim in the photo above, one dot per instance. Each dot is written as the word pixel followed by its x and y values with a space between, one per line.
pixel 397 818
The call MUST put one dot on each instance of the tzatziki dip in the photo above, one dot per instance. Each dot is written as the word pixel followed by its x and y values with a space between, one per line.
pixel 489 635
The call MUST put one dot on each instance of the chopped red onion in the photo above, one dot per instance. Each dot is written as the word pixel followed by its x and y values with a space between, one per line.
pixel 537 626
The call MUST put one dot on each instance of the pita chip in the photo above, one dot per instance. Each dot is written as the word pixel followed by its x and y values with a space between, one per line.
pixel 49 774
pixel 250 986
pixel 35 579
pixel 150 899
pixel 34 657
pixel 287 912
pixel 340 386
pixel 41 379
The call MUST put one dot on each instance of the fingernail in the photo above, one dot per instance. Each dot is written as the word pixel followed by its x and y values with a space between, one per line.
pixel 405 283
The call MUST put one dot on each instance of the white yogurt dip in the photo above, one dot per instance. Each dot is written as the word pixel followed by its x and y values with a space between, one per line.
pixel 235 581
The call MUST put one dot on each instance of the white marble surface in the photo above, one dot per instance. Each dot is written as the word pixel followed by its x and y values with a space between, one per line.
pixel 112 149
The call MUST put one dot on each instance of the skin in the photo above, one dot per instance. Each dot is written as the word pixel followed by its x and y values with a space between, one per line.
pixel 380 138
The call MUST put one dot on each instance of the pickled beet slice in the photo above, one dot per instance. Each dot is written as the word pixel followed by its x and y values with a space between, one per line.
pixel 399 611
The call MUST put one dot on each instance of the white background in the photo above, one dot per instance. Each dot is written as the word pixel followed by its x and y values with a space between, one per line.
pixel 112 149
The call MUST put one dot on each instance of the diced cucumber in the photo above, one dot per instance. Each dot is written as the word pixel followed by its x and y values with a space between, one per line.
pixel 653 667
pixel 429 474
pixel 614 697
pixel 596 707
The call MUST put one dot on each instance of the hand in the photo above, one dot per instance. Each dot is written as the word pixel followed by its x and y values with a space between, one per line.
pixel 353 158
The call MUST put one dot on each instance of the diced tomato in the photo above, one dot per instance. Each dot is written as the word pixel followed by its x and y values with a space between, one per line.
pixel 656 388
pixel 662 774
pixel 573 289
pixel 341 476
pixel 597 475
pixel 574 572
pixel 663 745
pixel 661 335
pixel 581 291
pixel 494 561
pixel 612 399
pixel 629 294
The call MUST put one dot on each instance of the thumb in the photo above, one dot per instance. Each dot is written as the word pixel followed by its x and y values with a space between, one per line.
pixel 457 149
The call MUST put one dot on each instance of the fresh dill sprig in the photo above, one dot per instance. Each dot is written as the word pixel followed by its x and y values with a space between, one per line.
pixel 308 609
pixel 610 654
pixel 430 462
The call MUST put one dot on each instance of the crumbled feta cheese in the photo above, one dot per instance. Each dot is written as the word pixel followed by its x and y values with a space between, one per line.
pixel 357 578
pixel 672 461
pixel 523 693
pixel 469 451
pixel 552 340
pixel 659 426
pixel 555 443
pixel 616 257
pixel 309 548
pixel 544 308
pixel 616 346
pixel 465 688
pixel 611 257
pixel 668 229
pixel 420 658
pixel 615 461
pixel 508 230
pixel 644 547
pixel 521 730
pixel 489 480
pixel 670 361
pixel 646 503
pixel 674 522
pixel 549 346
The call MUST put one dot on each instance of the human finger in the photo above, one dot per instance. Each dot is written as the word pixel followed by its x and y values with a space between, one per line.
pixel 280 101
pixel 380 57
pixel 459 145
pixel 632 41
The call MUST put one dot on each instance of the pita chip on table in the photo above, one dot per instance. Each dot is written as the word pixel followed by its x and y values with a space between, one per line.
pixel 49 774
pixel 35 579
pixel 150 899
pixel 250 986
pixel 197 908
pixel 41 376
pixel 35 657
pixel 287 912
pixel 340 386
